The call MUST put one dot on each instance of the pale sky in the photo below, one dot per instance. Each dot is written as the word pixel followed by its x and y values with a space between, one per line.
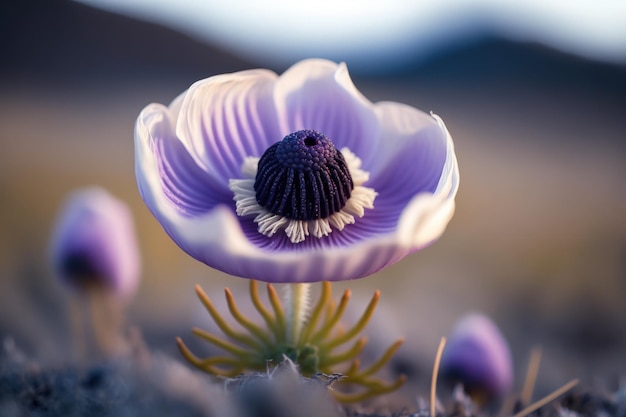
pixel 285 31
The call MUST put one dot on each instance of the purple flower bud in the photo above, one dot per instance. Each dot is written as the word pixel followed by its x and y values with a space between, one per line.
pixel 478 356
pixel 94 244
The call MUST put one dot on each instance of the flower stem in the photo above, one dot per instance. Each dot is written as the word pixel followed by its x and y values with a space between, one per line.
pixel 297 303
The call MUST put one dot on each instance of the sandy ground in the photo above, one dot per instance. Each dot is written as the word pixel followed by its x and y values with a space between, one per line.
pixel 538 241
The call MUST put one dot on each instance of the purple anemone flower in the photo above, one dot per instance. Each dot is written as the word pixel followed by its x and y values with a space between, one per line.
pixel 294 178
pixel 94 245
pixel 478 356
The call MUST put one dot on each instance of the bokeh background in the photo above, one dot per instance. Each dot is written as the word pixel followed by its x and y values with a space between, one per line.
pixel 536 104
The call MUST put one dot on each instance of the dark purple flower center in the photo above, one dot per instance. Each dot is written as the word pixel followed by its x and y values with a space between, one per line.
pixel 303 177
pixel 78 268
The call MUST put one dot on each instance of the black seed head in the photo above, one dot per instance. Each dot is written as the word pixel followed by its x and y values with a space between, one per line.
pixel 303 177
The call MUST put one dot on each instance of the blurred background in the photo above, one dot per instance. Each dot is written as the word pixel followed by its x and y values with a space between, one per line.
pixel 534 95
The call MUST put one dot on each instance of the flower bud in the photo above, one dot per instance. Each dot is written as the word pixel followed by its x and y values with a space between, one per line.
pixel 478 356
pixel 94 245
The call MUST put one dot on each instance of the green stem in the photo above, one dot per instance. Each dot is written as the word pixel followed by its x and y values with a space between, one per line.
pixel 297 303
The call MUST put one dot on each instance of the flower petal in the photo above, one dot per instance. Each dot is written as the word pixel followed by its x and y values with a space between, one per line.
pixel 166 171
pixel 226 118
pixel 318 94
pixel 426 216
pixel 218 240
pixel 415 161
pixel 411 154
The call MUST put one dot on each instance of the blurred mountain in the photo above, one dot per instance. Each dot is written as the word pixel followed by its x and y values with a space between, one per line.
pixel 67 42
pixel 492 60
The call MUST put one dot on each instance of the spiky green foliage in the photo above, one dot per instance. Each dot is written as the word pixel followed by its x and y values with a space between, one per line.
pixel 319 348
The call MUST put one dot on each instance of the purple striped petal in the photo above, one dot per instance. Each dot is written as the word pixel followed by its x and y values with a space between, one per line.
pixel 226 118
pixel 411 154
pixel 319 95
pixel 184 185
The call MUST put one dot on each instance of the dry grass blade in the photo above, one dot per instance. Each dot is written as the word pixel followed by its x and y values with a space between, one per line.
pixel 433 382
pixel 531 375
pixel 547 399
